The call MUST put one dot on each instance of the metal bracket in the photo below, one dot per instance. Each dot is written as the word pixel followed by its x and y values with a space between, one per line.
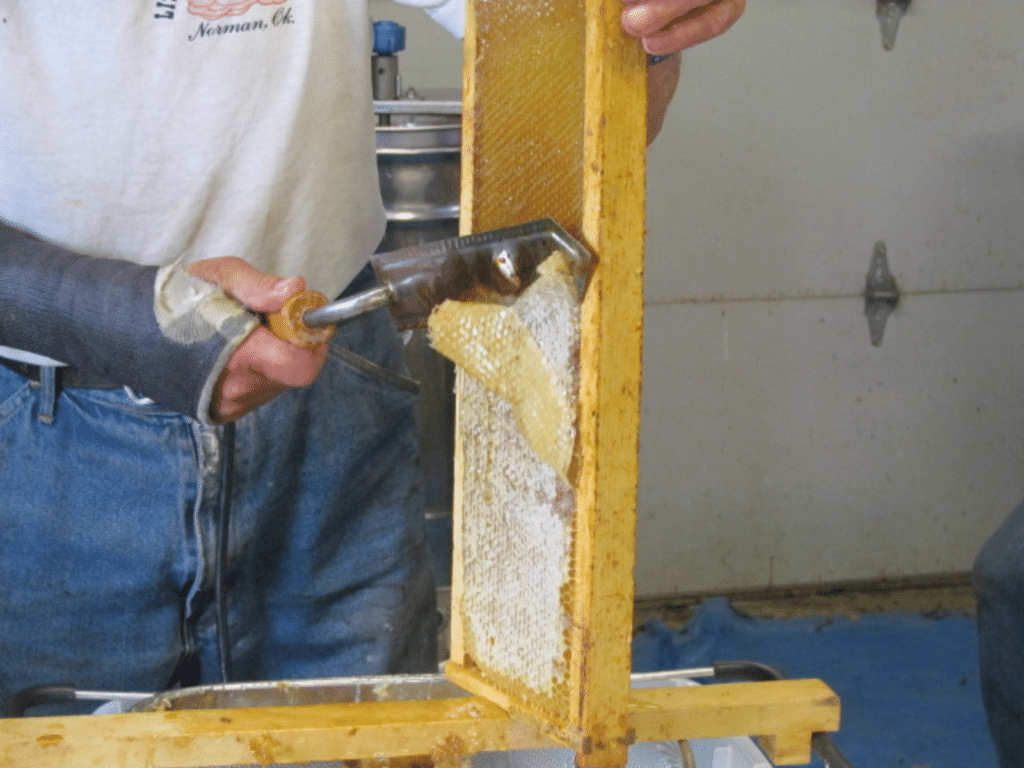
pixel 881 293
pixel 889 13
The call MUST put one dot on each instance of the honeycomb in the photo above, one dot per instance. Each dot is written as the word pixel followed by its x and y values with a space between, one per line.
pixel 520 369
pixel 523 355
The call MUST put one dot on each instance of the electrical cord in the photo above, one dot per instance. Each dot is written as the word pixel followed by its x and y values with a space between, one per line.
pixel 686 751
pixel 227 472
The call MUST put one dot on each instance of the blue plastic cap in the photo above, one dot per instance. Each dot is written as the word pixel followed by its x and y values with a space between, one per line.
pixel 388 37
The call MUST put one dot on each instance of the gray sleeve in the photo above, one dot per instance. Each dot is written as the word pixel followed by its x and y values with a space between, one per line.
pixel 159 331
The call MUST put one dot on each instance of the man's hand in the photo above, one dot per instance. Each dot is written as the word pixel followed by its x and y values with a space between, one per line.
pixel 667 26
pixel 263 366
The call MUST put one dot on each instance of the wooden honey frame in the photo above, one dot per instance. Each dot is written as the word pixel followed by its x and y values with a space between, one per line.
pixel 581 86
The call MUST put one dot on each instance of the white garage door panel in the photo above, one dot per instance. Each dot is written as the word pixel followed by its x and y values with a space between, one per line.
pixel 779 446
pixel 796 142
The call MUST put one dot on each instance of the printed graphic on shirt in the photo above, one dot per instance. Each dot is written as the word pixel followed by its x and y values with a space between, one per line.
pixel 212 10
pixel 222 17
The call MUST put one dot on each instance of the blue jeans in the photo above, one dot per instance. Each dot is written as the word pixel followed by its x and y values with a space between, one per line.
pixel 999 582
pixel 108 532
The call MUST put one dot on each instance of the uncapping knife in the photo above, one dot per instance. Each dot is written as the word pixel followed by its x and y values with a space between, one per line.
pixel 487 266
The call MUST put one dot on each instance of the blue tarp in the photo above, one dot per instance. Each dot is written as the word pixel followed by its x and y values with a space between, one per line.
pixel 908 682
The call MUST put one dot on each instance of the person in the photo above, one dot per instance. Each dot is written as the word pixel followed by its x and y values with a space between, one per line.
pixel 168 172
pixel 999 586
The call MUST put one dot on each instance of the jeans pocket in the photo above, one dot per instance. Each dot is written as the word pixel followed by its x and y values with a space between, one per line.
pixel 16 393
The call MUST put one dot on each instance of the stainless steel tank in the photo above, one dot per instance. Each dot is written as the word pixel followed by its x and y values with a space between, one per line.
pixel 418 156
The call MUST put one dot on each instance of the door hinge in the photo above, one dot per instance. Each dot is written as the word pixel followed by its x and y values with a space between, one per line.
pixel 889 13
pixel 881 293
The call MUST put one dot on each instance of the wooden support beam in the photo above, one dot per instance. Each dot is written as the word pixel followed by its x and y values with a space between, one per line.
pixel 445 730
pixel 611 336
pixel 783 713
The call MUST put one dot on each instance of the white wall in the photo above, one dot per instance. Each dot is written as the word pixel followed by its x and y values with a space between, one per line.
pixel 778 445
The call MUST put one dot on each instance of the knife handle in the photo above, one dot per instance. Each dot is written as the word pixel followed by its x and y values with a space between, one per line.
pixel 287 323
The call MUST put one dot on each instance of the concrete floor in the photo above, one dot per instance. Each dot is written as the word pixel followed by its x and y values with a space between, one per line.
pixel 926 594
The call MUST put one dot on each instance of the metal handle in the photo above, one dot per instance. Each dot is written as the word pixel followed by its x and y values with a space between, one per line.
pixel 308 320
pixel 350 306
pixel 288 324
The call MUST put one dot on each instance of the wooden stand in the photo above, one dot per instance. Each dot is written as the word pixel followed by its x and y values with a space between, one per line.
pixel 445 731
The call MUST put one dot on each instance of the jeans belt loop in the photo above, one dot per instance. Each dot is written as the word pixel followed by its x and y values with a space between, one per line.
pixel 48 392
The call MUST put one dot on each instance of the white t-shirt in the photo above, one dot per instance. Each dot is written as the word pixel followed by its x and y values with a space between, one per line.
pixel 160 128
